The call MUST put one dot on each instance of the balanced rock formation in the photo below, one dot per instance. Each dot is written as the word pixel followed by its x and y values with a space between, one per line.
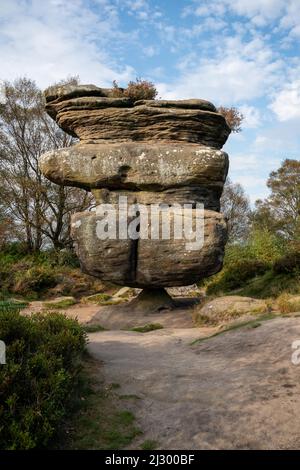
pixel 154 152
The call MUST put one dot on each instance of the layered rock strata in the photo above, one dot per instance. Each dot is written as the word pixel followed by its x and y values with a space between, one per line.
pixel 152 152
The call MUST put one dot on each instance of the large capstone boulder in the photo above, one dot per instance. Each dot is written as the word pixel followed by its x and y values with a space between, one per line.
pixel 147 262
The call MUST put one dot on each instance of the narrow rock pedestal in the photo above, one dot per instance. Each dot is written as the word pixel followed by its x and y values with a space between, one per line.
pixel 152 300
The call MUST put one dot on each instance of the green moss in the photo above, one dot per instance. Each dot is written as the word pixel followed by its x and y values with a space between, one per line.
pixel 129 397
pixel 93 328
pixel 99 422
pixel 62 304
pixel 149 444
pixel 147 328
pixel 126 417
pixel 98 298
pixel 248 324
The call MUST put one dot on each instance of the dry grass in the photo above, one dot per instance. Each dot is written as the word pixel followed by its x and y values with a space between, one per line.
pixel 287 303
pixel 216 318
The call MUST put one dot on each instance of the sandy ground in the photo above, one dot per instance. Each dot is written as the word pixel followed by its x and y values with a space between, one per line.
pixel 238 390
pixel 83 312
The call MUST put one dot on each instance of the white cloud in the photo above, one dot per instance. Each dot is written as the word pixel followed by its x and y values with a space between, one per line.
pixel 137 4
pixel 239 72
pixel 244 162
pixel 286 104
pixel 264 8
pixel 269 9
pixel 142 10
pixel 150 51
pixel 49 40
pixel 252 116
pixel 278 140
pixel 259 12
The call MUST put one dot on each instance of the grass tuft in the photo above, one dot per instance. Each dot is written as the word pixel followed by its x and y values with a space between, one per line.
pixel 149 444
pixel 250 324
pixel 147 328
pixel 60 305
pixel 93 328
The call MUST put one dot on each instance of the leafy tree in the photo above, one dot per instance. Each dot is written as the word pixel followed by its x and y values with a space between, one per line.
pixel 280 212
pixel 235 206
pixel 40 209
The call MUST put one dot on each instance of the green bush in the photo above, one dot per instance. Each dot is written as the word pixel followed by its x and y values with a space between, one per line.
pixel 38 274
pixel 244 262
pixel 43 355
pixel 12 305
pixel 234 275
pixel 287 264
pixel 37 279
pixel 265 246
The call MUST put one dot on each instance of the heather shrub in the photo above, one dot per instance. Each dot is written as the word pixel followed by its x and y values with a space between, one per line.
pixel 39 379
pixel 136 90
pixel 287 264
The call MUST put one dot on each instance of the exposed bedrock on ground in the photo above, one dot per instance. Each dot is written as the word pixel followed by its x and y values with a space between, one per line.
pixel 153 152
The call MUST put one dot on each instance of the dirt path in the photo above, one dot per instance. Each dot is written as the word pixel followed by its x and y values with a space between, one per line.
pixel 236 390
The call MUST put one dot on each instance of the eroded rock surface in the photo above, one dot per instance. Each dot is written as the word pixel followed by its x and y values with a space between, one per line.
pixel 153 152
pixel 197 172
pixel 148 262
pixel 92 113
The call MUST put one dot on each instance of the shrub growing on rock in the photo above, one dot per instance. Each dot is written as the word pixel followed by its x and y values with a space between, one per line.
pixel 43 355
pixel 136 90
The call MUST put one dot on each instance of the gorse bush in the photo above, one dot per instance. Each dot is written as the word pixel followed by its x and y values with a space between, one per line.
pixel 136 90
pixel 43 355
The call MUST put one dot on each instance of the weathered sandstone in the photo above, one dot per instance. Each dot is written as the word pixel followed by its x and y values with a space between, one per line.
pixel 92 113
pixel 154 152
pixel 148 263
pixel 140 167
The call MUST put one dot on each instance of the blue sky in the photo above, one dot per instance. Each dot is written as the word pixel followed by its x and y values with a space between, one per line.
pixel 242 53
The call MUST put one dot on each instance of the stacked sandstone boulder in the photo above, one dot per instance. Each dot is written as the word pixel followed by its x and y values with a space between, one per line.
pixel 152 151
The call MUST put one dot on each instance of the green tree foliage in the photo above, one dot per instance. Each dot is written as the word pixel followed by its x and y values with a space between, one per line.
pixel 235 206
pixel 39 210
pixel 280 212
